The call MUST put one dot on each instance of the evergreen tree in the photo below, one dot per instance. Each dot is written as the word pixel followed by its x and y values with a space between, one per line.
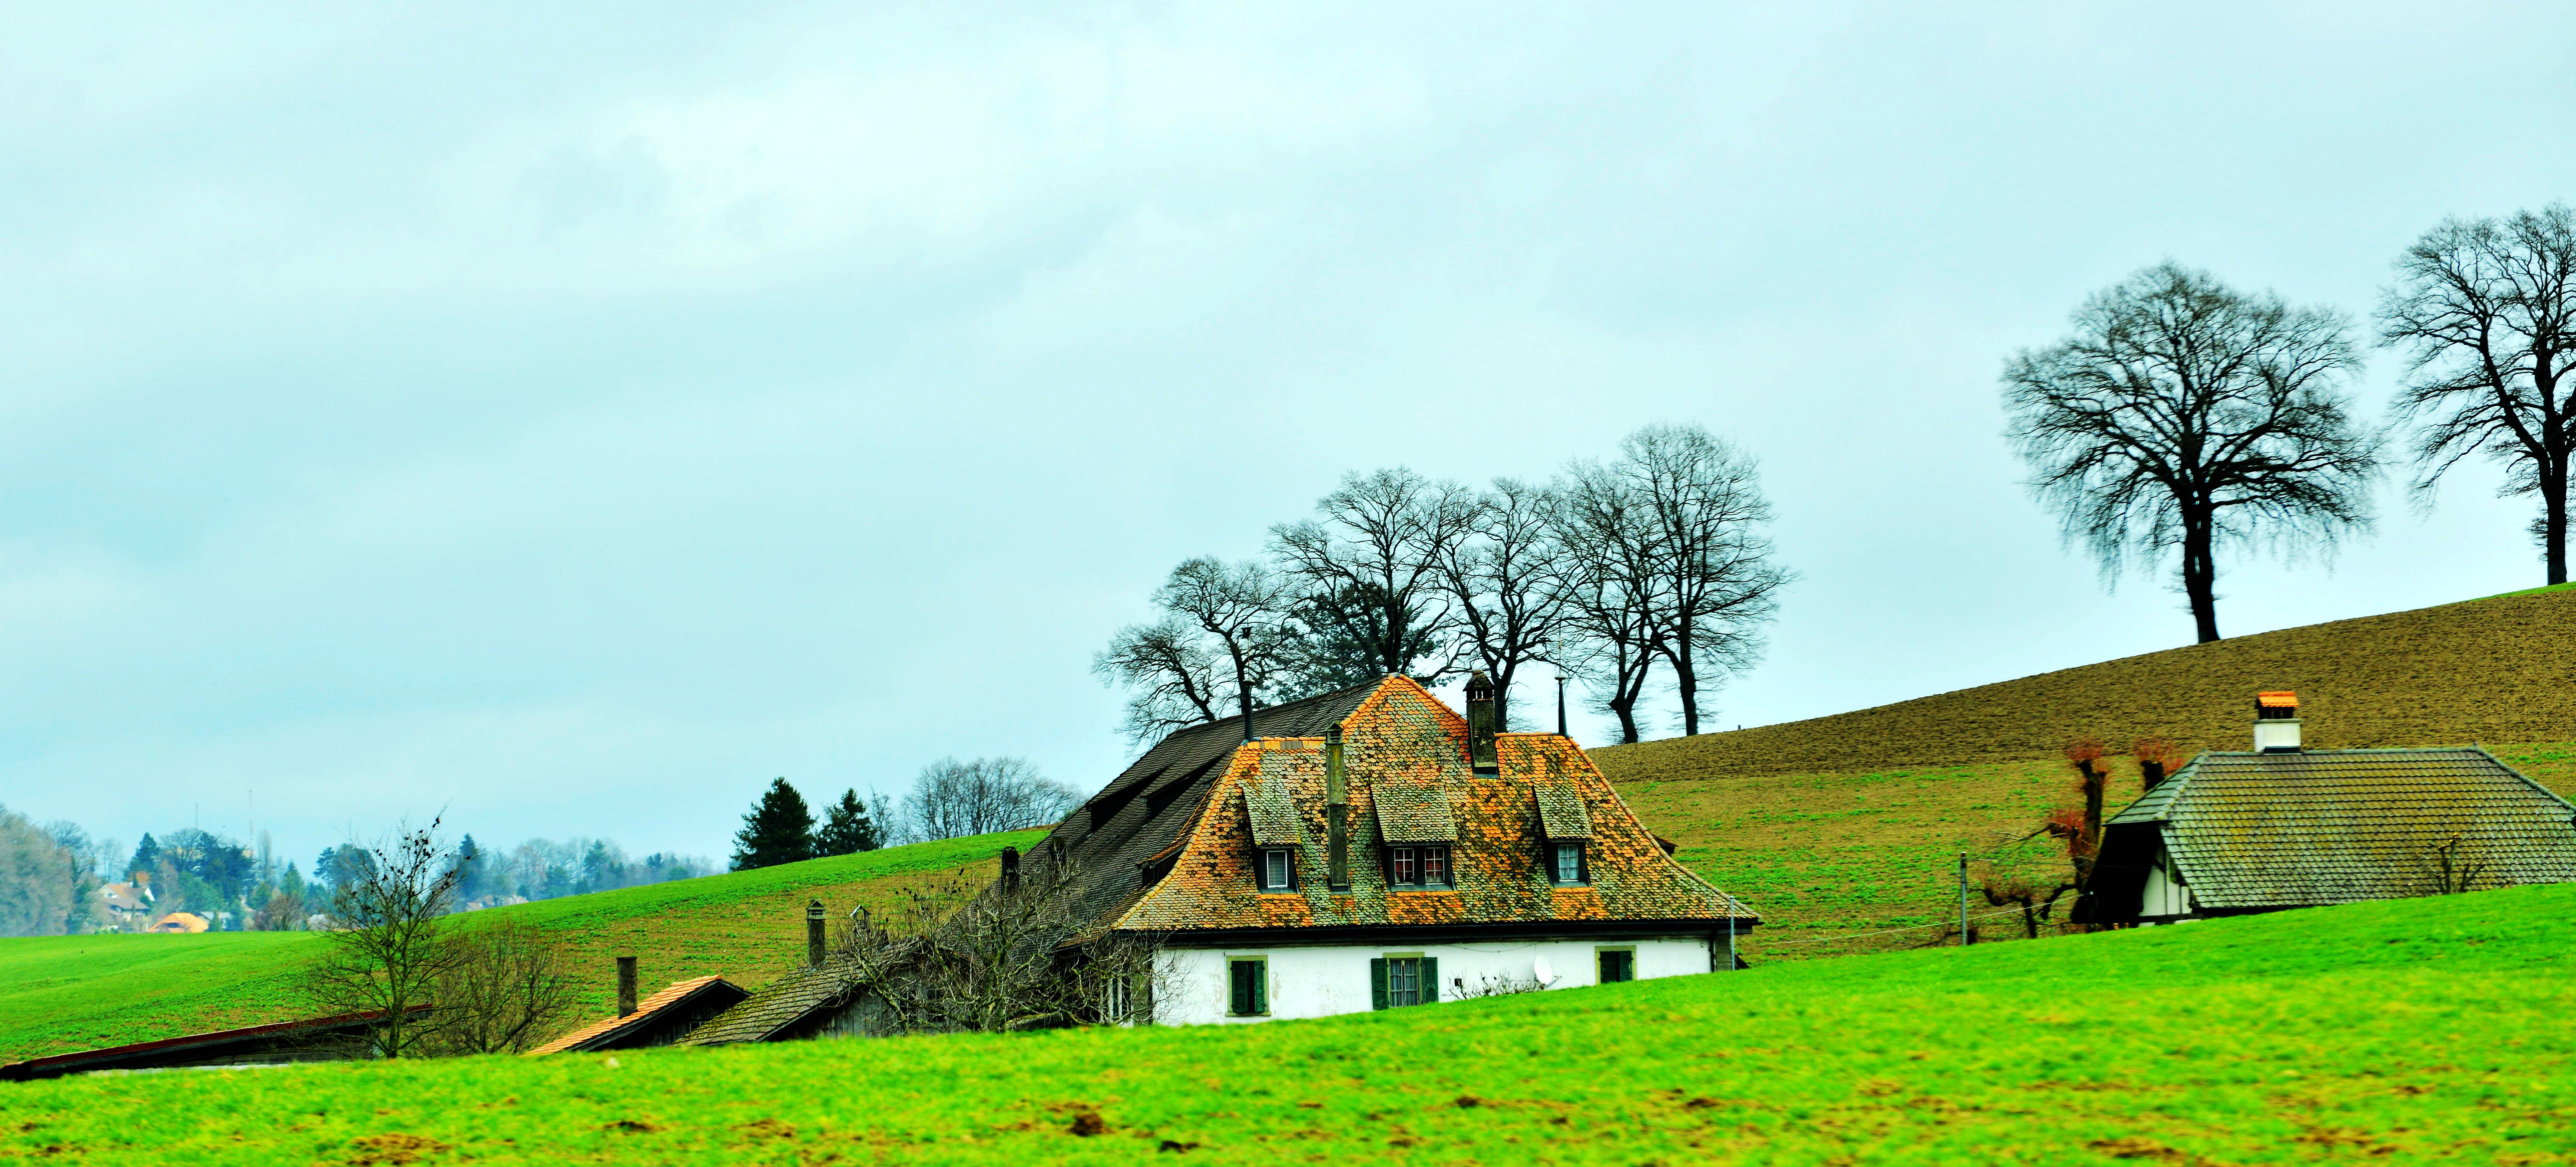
pixel 847 829
pixel 147 855
pixel 778 830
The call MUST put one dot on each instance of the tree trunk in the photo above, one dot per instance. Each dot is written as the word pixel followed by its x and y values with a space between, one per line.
pixel 2553 518
pixel 1503 697
pixel 1242 691
pixel 1626 708
pixel 2200 572
pixel 1686 680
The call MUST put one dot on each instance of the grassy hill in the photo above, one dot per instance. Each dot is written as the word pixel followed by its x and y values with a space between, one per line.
pixel 60 993
pixel 2425 1031
pixel 1844 831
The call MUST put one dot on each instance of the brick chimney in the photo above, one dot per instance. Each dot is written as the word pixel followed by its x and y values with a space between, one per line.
pixel 814 932
pixel 1480 723
pixel 1337 813
pixel 2276 722
pixel 625 986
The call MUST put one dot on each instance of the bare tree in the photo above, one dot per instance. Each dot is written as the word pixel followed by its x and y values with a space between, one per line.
pixel 1172 671
pixel 1369 565
pixel 2183 414
pixel 1613 637
pixel 506 990
pixel 952 956
pixel 387 950
pixel 952 799
pixel 1507 579
pixel 2486 311
pixel 1717 584
pixel 1243 609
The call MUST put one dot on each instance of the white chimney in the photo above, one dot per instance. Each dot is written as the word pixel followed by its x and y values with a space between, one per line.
pixel 2276 722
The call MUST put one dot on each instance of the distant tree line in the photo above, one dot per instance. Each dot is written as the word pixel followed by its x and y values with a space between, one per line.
pixel 2181 417
pixel 949 799
pixel 1652 569
pixel 51 877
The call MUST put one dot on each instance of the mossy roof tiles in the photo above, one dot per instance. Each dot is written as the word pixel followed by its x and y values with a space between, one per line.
pixel 2258 830
pixel 782 1003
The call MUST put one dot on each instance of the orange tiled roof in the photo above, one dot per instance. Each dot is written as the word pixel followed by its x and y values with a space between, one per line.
pixel 671 994
pixel 1406 762
pixel 2277 699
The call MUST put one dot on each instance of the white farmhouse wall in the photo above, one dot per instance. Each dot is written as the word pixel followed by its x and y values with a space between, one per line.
pixel 1324 980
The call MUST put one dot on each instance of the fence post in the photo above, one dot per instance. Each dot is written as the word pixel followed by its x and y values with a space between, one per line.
pixel 1963 899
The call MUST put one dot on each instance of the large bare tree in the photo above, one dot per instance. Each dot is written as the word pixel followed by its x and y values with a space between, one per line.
pixel 1613 638
pixel 2183 415
pixel 1507 583
pixel 1172 673
pixel 2486 312
pixel 1716 582
pixel 1369 567
pixel 1243 610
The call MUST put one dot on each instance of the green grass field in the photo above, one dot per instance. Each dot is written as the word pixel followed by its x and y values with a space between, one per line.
pixel 2420 1031
pixel 1866 861
pixel 61 993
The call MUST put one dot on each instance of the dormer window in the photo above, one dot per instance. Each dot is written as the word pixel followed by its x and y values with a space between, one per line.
pixel 1276 869
pixel 1418 866
pixel 1566 865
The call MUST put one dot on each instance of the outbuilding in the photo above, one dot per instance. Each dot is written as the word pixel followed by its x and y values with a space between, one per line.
pixel 2280 826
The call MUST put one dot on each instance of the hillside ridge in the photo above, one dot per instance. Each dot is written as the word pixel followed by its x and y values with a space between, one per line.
pixel 2488 670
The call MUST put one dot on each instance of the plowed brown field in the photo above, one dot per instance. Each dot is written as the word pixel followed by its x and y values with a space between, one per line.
pixel 2492 670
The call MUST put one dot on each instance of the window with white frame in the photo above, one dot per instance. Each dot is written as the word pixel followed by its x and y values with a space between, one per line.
pixel 1566 866
pixel 1418 866
pixel 1276 869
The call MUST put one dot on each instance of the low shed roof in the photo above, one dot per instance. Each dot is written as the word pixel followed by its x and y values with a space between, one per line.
pixel 601 1034
pixel 2257 830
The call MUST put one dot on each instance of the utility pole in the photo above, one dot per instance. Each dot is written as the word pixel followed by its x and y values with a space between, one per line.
pixel 1963 899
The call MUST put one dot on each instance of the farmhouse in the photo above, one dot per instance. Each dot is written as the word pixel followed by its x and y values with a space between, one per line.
pixel 1371 849
pixel 2285 827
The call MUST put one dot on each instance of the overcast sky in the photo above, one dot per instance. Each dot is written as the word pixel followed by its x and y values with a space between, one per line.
pixel 573 421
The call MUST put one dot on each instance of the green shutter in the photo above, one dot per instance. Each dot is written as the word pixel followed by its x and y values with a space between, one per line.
pixel 1430 980
pixel 1261 987
pixel 1377 983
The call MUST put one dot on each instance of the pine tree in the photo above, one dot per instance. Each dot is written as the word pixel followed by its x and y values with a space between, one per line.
pixel 847 829
pixel 778 830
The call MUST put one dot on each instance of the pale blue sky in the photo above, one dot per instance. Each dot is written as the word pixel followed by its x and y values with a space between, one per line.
pixel 574 420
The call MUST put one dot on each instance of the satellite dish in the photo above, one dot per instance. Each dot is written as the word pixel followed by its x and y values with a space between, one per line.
pixel 1545 975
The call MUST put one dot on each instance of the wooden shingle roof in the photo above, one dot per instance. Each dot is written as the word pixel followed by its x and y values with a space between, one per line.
pixel 782 1003
pixel 2258 830
pixel 1146 811
pixel 601 1034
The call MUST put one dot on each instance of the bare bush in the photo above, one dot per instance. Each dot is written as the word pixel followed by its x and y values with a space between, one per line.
pixel 506 990
pixel 951 956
